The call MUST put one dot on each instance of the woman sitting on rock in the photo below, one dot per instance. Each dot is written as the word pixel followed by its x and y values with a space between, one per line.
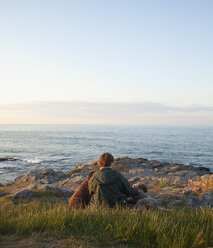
pixel 107 186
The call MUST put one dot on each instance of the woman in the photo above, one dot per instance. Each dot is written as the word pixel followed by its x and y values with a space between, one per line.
pixel 109 187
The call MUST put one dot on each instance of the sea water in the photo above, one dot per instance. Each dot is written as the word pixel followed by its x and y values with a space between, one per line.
pixel 61 147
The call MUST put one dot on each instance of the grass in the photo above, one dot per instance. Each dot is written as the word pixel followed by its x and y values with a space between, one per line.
pixel 47 217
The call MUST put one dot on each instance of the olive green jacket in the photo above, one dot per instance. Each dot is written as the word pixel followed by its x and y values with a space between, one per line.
pixel 107 186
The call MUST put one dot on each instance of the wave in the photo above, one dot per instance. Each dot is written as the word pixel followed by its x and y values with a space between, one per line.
pixel 33 161
pixel 30 160
pixel 156 152
pixel 199 155
pixel 40 160
pixel 7 166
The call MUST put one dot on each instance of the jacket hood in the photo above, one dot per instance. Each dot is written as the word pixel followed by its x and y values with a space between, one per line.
pixel 105 176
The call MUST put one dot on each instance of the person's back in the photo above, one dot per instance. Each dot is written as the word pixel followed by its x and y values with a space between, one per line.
pixel 108 186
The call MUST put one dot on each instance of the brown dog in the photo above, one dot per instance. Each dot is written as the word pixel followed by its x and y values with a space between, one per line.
pixel 142 192
pixel 143 200
pixel 81 197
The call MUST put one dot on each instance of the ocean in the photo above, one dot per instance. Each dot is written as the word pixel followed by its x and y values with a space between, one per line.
pixel 61 147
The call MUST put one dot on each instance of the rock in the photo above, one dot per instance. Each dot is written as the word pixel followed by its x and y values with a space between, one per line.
pixel 1 185
pixel 60 191
pixel 181 173
pixel 206 200
pixel 43 176
pixel 124 164
pixel 73 182
pixel 197 190
pixel 160 202
pixel 3 194
pixel 88 166
pixel 192 202
pixel 7 159
pixel 154 164
pixel 23 194
pixel 141 161
pixel 202 168
pixel 173 169
pixel 190 193
pixel 33 186
pixel 204 182
pixel 177 182
pixel 175 203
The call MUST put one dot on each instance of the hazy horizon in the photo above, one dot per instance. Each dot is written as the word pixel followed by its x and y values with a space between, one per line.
pixel 139 113
pixel 106 62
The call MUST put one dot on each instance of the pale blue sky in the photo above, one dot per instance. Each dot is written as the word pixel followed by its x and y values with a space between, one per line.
pixel 114 51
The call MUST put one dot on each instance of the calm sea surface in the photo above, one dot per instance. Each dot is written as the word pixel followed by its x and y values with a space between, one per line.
pixel 61 147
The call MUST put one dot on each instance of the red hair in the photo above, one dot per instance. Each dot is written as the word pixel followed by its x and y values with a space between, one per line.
pixel 106 160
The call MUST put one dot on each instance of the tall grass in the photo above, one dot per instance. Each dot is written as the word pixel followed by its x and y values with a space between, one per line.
pixel 179 228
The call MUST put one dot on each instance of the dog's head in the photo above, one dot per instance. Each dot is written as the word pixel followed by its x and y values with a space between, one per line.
pixel 141 186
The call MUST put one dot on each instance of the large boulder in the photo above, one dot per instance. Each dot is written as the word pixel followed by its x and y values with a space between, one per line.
pixel 73 182
pixel 44 176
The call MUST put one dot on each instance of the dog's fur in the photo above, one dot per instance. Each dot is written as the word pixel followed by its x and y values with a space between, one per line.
pixel 142 189
pixel 143 200
pixel 141 186
pixel 81 197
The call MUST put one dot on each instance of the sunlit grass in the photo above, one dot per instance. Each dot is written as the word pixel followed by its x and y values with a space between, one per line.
pixel 179 228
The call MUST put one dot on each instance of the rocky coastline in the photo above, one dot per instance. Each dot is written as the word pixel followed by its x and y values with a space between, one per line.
pixel 171 184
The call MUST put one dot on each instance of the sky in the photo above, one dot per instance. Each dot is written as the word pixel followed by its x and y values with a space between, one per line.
pixel 106 62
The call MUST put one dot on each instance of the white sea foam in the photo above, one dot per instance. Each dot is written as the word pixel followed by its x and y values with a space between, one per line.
pixel 38 160
pixel 33 160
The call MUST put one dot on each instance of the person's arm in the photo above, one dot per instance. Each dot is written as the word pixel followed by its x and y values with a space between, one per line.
pixel 126 188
